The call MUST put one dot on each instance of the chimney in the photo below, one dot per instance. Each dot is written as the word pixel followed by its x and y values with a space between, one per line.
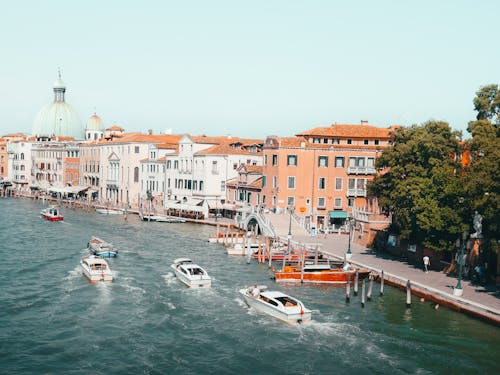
pixel 364 122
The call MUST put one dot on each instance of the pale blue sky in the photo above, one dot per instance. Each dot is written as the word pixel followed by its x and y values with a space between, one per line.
pixel 248 68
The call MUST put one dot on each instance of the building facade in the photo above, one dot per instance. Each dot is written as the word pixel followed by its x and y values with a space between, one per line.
pixel 323 173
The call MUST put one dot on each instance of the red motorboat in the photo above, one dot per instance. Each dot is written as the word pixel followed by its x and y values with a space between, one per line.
pixel 51 213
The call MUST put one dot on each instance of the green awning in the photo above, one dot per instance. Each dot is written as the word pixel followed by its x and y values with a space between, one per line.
pixel 337 214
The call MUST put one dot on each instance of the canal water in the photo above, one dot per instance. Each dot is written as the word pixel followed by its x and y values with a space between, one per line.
pixel 53 321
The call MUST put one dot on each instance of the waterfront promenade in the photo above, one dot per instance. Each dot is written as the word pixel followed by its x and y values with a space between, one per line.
pixel 434 285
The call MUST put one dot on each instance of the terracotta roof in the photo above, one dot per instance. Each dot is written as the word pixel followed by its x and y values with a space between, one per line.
pixel 349 131
pixel 225 149
pixel 115 128
pixel 144 138
pixel 254 168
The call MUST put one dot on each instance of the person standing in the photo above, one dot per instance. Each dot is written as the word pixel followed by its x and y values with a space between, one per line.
pixel 427 263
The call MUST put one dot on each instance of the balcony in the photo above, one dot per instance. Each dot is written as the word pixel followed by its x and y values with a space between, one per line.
pixel 356 192
pixel 361 170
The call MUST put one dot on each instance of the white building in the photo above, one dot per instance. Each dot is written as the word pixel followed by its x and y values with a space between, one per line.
pixel 196 176
pixel 20 163
pixel 120 163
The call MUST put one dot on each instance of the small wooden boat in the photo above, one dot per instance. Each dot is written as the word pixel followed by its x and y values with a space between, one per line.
pixel 96 269
pixel 324 272
pixel 102 248
pixel 191 274
pixel 276 304
pixel 51 213
pixel 242 249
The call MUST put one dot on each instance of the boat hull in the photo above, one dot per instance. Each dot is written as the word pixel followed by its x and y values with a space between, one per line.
pixel 106 211
pixel 52 218
pixel 194 281
pixel 293 318
pixel 321 277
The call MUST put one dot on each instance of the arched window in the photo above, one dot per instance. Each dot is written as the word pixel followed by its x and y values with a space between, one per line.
pixel 136 174
pixel 22 155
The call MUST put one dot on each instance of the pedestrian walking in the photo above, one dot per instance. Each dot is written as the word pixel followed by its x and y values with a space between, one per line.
pixel 427 263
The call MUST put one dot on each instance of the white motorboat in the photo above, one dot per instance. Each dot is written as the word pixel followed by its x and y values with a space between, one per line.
pixel 191 274
pixel 109 211
pixel 163 219
pixel 96 269
pixel 243 249
pixel 102 248
pixel 276 304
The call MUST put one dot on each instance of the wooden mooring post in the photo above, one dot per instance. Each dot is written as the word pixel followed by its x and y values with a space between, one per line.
pixel 408 294
pixel 356 276
pixel 348 289
pixel 382 283
pixel 363 293
pixel 370 289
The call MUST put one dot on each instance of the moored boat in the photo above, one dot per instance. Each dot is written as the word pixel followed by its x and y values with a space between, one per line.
pixel 109 211
pixel 276 304
pixel 162 219
pixel 324 272
pixel 52 213
pixel 191 274
pixel 102 248
pixel 96 269
pixel 243 249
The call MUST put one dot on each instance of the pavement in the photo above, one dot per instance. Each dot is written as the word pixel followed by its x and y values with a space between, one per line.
pixel 436 285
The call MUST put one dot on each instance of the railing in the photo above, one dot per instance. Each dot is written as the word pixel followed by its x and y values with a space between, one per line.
pixel 356 192
pixel 361 170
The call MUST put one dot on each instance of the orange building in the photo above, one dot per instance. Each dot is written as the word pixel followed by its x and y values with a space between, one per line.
pixel 323 172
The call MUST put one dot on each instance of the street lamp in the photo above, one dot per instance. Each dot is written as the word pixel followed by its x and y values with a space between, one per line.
pixel 458 291
pixel 349 254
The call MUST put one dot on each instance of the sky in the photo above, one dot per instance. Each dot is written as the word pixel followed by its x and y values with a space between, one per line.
pixel 248 68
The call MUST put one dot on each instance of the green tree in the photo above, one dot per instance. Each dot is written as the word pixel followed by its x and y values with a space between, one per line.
pixel 481 180
pixel 421 185
pixel 487 103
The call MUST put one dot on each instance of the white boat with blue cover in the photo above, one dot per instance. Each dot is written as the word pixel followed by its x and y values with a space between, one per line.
pixel 102 248
pixel 276 304
pixel 191 274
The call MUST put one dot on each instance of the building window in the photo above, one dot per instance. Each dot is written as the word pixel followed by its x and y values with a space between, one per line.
pixel 316 140
pixel 169 164
pixel 325 140
pixel 349 141
pixel 275 182
pixel 322 161
pixel 265 159
pixel 338 183
pixel 136 149
pixel 292 160
pixel 335 141
pixel 350 202
pixel 366 141
pixel 176 164
pixel 291 182
pixel 321 202
pixel 290 202
pixel 322 183
pixel 263 181
pixel 357 162
pixel 136 174
pixel 337 203
pixel 376 142
pixel 201 185
pixel 215 168
pixel 275 159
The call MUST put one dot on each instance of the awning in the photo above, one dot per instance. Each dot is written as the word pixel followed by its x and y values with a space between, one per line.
pixel 184 207
pixel 337 214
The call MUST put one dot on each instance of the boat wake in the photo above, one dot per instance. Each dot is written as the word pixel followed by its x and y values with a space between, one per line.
pixel 169 278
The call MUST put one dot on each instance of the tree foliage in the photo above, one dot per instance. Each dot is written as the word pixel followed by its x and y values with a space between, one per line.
pixel 421 185
pixel 487 103
pixel 481 180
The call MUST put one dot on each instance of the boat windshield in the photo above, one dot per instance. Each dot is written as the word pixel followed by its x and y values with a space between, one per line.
pixel 287 301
